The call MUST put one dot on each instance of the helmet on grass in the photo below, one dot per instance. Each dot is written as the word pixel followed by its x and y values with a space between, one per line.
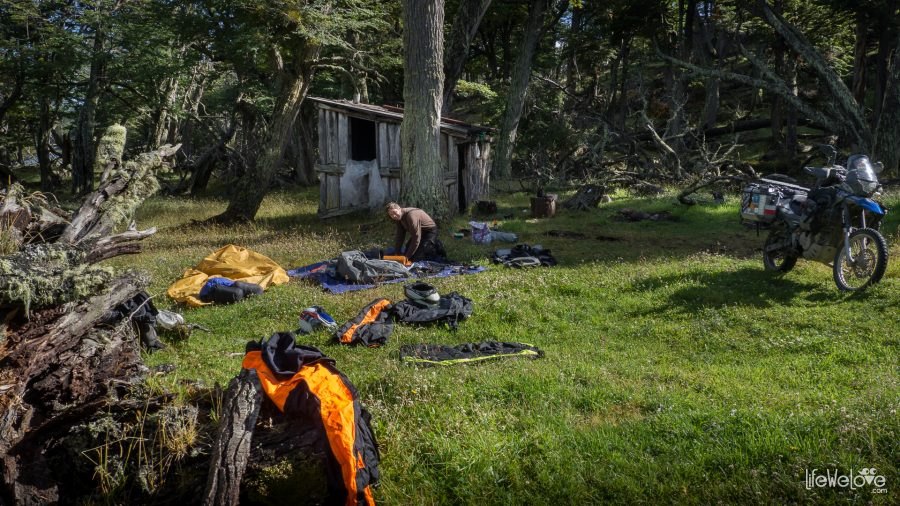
pixel 422 294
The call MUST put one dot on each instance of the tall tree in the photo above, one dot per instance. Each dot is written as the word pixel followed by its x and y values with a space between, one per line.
pixel 518 87
pixel 291 35
pixel 466 21
pixel 96 19
pixel 422 175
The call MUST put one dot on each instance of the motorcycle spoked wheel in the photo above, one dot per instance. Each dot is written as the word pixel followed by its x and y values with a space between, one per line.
pixel 777 261
pixel 869 252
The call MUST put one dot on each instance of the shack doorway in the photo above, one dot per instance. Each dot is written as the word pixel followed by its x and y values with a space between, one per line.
pixel 362 139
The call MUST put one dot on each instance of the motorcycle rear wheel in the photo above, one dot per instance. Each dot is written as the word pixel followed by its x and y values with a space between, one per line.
pixel 869 251
pixel 778 260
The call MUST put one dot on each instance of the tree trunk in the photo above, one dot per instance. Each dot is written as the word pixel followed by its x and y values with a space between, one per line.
pixel 43 143
pixel 703 49
pixel 518 87
pixel 422 173
pixel 118 197
pixel 13 96
pixel 161 122
pixel 204 166
pixel 230 452
pixel 791 136
pixel 468 17
pixel 859 60
pixel 677 78
pixel 887 138
pixel 571 52
pixel 254 184
pixel 887 33
pixel 84 152
pixel 778 105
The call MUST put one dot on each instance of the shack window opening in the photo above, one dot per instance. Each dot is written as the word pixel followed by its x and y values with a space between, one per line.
pixel 362 139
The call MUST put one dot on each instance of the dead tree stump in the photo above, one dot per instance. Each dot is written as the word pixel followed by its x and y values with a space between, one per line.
pixel 587 197
pixel 230 452
pixel 59 357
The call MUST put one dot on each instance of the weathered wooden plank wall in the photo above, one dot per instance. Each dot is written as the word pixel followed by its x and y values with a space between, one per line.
pixel 335 150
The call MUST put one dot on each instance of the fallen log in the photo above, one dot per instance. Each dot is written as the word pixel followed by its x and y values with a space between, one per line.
pixel 61 358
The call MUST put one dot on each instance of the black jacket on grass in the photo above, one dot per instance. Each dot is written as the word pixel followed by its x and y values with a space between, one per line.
pixel 450 309
pixel 304 384
pixel 438 354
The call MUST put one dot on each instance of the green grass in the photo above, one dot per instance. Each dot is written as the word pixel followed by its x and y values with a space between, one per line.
pixel 676 369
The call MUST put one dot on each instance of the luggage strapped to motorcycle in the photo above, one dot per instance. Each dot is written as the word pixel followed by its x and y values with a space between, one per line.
pixel 760 200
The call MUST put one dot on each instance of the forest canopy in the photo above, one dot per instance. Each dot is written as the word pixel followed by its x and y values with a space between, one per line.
pixel 575 90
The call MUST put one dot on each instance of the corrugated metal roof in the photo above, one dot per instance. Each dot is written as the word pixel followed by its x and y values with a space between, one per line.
pixel 395 115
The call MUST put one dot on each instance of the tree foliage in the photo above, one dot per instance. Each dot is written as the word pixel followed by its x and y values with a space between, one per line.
pixel 227 79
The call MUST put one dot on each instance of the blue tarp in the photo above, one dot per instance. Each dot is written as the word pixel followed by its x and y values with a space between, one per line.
pixel 318 272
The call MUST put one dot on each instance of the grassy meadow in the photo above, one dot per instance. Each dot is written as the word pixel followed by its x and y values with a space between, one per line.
pixel 676 371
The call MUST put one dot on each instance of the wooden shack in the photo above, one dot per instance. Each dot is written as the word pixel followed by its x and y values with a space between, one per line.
pixel 359 158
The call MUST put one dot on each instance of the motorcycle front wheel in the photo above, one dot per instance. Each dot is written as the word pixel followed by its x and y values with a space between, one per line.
pixel 868 251
pixel 777 260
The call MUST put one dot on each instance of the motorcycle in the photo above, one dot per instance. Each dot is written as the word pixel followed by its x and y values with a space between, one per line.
pixel 834 222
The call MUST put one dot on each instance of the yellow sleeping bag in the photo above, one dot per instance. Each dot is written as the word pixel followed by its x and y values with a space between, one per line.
pixel 232 262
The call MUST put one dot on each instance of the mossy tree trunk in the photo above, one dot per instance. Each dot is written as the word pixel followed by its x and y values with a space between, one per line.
pixel 422 174
pixel 294 80
pixel 61 358
pixel 518 87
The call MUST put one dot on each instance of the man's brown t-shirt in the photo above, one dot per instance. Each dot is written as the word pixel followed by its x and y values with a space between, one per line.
pixel 413 221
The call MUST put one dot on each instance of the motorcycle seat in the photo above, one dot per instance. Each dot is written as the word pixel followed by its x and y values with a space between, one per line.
pixel 820 173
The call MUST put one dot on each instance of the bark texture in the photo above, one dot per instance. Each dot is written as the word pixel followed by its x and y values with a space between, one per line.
pixel 422 174
pixel 231 449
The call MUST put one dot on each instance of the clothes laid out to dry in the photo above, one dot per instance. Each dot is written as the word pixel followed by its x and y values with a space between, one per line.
pixel 450 309
pixel 524 255
pixel 439 354
pixel 371 327
pixel 325 274
pixel 356 267
pixel 424 306
pixel 230 262
pixel 304 384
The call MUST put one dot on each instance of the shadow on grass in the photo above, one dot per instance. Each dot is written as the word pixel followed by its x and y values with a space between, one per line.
pixel 743 287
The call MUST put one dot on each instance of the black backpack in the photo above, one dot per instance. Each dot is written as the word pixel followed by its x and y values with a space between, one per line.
pixel 524 255
pixel 451 309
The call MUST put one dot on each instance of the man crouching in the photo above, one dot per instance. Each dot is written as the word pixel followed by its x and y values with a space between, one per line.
pixel 423 243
